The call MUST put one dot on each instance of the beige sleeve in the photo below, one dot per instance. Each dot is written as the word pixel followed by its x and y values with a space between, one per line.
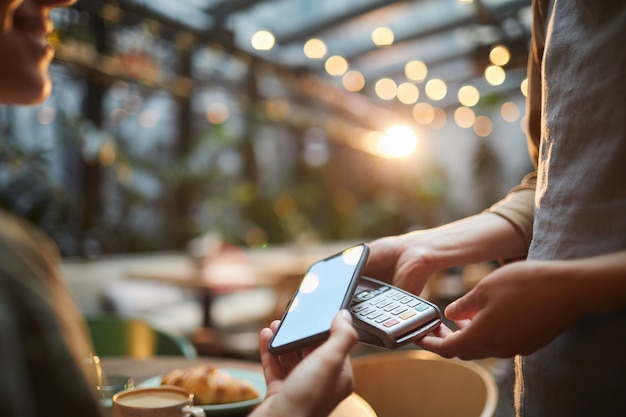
pixel 518 207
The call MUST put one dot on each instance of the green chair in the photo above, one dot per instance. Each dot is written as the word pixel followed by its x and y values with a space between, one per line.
pixel 117 336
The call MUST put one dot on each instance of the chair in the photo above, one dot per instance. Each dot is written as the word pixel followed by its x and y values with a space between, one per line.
pixel 117 336
pixel 411 383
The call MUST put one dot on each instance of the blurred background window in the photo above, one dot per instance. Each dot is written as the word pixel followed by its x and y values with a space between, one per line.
pixel 268 120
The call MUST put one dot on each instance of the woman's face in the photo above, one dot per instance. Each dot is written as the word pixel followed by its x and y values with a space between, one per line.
pixel 25 53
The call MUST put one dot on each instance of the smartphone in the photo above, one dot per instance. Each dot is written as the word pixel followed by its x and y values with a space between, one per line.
pixel 326 288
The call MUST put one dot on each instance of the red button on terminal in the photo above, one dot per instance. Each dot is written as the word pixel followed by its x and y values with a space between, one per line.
pixel 391 322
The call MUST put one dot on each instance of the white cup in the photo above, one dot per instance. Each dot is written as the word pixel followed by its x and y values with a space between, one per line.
pixel 162 401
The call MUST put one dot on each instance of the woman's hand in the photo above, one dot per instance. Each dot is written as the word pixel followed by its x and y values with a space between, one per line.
pixel 409 260
pixel 403 261
pixel 517 309
pixel 315 385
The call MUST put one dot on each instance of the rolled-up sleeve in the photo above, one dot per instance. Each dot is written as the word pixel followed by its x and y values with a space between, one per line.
pixel 518 207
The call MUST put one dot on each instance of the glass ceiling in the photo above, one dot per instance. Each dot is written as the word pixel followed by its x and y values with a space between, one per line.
pixel 452 37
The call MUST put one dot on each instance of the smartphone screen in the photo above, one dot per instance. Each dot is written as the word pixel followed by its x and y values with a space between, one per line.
pixel 327 287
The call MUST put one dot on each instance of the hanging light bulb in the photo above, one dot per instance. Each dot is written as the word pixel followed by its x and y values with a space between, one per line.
pixel 263 40
pixel 468 95
pixel 495 75
pixel 382 36
pixel 315 49
pixel 336 65
pixel 499 55
pixel 353 81
pixel 416 71
pixel 436 89
pixel 386 88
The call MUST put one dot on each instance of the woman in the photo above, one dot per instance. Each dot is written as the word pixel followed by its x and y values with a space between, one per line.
pixel 44 350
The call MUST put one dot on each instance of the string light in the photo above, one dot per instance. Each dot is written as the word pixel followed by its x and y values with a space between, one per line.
pixel 386 88
pixel 524 87
pixel 263 40
pixel 416 71
pixel 436 89
pixel 464 117
pixel 353 81
pixel 315 49
pixel 483 126
pixel 423 113
pixel 336 65
pixel 468 95
pixel 509 111
pixel 382 36
pixel 499 55
pixel 495 75
pixel 408 93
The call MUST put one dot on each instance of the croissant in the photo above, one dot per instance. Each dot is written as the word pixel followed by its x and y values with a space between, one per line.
pixel 210 385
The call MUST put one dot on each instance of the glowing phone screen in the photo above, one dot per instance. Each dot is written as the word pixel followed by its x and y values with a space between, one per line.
pixel 321 294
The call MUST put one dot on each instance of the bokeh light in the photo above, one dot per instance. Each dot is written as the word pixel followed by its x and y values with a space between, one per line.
pixel 495 75
pixel 352 255
pixel 386 88
pixel 397 142
pixel 217 113
pixel 524 87
pixel 499 55
pixel 468 95
pixel 423 113
pixel 382 36
pixel 263 40
pixel 315 49
pixel 408 93
pixel 353 81
pixel 309 283
pixel 416 71
pixel 483 126
pixel 464 117
pixel 336 65
pixel 509 111
pixel 436 89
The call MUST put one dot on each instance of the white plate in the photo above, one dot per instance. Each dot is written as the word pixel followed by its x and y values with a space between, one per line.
pixel 255 378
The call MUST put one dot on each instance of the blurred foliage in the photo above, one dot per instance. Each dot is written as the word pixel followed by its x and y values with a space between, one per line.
pixel 345 199
pixel 26 188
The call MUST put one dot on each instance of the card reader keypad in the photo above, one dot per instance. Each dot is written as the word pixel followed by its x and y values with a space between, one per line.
pixel 386 306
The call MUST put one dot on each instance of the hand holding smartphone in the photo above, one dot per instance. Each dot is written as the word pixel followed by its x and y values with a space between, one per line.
pixel 326 288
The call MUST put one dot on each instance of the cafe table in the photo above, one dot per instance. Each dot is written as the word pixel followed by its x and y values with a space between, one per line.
pixel 144 370
pixel 235 270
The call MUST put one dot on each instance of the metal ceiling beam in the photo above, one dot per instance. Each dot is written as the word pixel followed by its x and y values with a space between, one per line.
pixel 225 8
pixel 395 67
pixel 329 23
pixel 498 12
pixel 140 11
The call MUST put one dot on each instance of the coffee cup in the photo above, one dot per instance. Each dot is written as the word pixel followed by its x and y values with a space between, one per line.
pixel 162 401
